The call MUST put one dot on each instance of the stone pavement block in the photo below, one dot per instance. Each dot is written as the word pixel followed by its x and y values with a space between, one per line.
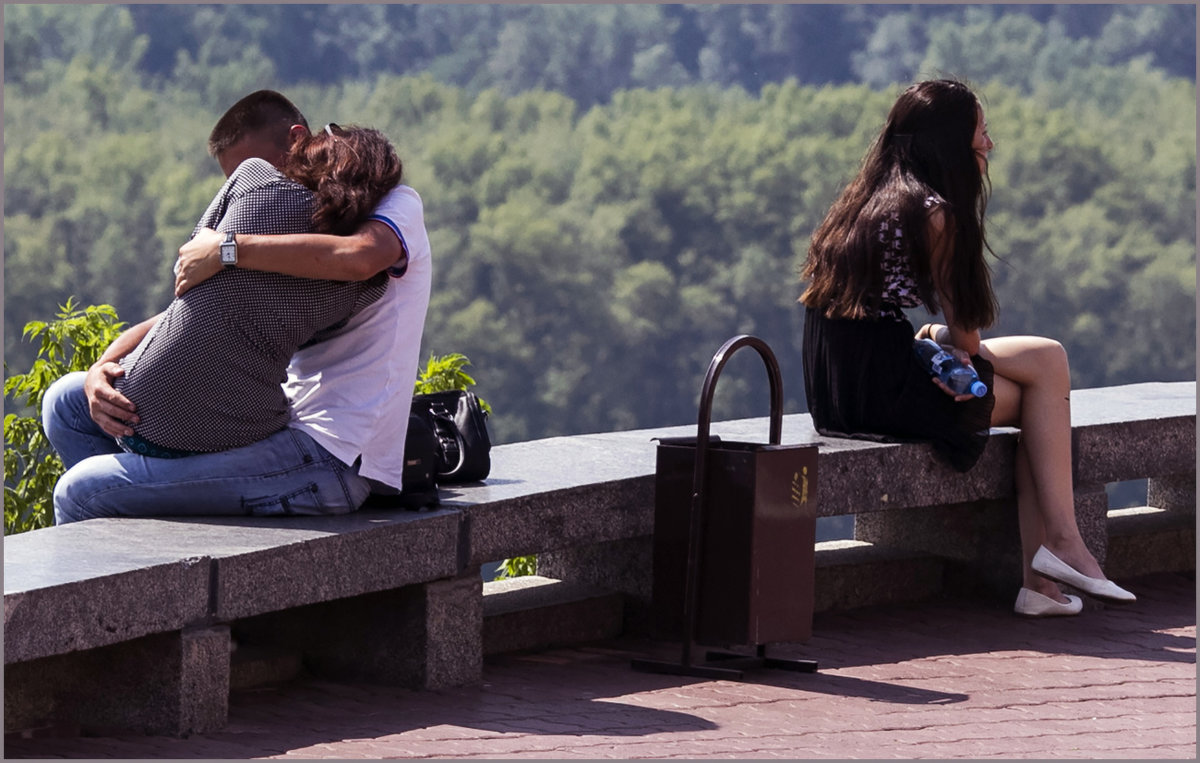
pixel 895 682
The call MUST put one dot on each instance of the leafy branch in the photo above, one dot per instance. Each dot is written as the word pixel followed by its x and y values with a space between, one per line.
pixel 72 342
pixel 444 373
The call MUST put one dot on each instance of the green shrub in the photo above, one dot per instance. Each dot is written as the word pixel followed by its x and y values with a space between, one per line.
pixel 444 373
pixel 72 342
pixel 517 566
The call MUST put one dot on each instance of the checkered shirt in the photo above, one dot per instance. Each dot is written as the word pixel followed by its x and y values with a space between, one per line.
pixel 207 377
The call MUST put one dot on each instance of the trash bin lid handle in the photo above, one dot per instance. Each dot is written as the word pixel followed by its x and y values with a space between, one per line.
pixel 710 381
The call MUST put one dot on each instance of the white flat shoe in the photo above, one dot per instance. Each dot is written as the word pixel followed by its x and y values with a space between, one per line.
pixel 1048 565
pixel 1033 604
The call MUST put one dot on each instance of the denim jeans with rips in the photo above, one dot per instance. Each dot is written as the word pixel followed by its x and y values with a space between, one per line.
pixel 287 473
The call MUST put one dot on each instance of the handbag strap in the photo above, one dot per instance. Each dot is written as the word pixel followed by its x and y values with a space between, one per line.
pixel 442 414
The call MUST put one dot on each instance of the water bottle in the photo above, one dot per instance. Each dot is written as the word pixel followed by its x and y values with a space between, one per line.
pixel 960 378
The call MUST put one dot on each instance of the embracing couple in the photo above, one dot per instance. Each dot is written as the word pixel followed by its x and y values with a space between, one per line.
pixel 279 379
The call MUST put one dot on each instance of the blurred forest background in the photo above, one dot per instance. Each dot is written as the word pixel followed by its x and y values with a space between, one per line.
pixel 614 190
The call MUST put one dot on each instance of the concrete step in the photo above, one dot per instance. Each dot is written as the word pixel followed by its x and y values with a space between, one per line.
pixel 535 612
pixel 251 667
pixel 1144 540
pixel 851 574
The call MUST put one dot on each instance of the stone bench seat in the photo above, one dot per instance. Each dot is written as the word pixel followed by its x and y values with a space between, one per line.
pixel 586 489
pixel 584 504
pixel 127 623
pixel 104 581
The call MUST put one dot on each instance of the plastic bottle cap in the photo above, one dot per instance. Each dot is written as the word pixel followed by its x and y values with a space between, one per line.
pixel 978 389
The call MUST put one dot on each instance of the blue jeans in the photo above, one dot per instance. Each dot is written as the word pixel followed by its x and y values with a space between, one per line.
pixel 287 473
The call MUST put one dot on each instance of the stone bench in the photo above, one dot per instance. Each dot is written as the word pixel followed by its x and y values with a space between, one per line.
pixel 126 624
pixel 584 504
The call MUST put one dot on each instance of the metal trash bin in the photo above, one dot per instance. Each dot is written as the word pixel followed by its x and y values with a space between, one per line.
pixel 734 537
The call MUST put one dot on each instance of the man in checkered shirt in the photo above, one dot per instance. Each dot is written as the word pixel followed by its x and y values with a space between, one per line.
pixel 349 394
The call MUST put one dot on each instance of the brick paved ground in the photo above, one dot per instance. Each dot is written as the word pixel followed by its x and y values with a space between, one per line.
pixel 939 680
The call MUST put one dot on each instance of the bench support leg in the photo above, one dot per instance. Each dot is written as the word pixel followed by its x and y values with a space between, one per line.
pixel 453 631
pixel 1160 537
pixel 1174 493
pixel 427 636
pixel 1091 514
pixel 171 684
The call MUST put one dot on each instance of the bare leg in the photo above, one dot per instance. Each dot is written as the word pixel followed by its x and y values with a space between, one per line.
pixel 1033 388
pixel 1033 534
pixel 1033 531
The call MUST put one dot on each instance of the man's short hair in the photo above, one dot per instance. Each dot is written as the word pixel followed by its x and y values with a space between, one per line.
pixel 263 111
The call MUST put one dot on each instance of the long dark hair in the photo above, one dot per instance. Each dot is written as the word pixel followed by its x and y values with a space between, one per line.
pixel 349 169
pixel 923 150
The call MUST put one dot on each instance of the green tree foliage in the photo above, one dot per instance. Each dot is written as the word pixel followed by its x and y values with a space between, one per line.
pixel 584 51
pixel 1164 34
pixel 72 342
pixel 1011 48
pixel 103 36
pixel 894 51
pixel 1023 45
pixel 599 229
pixel 1094 220
pixel 102 174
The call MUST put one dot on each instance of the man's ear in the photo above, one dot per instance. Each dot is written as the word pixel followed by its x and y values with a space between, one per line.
pixel 295 133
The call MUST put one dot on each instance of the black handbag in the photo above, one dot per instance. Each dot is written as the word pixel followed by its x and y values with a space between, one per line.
pixel 460 424
pixel 422 458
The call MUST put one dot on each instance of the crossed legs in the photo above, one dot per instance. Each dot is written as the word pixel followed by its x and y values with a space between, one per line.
pixel 1033 391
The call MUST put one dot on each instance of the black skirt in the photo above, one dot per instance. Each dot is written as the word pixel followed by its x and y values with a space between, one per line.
pixel 862 380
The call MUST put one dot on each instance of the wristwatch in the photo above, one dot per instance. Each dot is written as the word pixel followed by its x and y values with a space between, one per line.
pixel 229 251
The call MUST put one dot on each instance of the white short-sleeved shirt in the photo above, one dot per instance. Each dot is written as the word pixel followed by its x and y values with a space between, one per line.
pixel 352 392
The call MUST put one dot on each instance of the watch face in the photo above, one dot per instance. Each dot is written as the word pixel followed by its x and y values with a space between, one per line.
pixel 228 253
